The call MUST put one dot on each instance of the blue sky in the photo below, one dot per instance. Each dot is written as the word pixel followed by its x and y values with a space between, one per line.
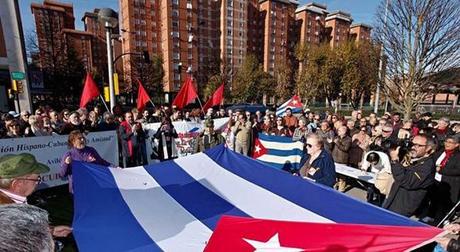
pixel 362 11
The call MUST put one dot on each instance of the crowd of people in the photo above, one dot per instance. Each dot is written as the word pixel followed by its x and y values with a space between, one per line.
pixel 415 162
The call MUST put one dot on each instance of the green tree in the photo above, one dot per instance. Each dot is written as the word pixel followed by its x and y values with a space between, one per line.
pixel 284 81
pixel 251 82
pixel 360 73
pixel 151 75
pixel 321 73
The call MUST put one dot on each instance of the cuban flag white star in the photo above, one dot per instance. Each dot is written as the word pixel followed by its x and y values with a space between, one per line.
pixel 294 102
pixel 273 244
pixel 258 149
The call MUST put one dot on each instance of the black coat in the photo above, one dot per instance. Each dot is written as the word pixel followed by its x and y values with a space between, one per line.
pixel 410 186
pixel 450 181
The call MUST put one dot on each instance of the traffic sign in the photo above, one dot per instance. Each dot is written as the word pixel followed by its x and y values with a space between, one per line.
pixel 18 75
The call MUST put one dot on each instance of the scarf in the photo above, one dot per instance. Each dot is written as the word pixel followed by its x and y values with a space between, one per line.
pixel 443 163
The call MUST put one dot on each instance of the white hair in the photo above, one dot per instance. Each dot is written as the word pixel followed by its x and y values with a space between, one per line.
pixel 24 228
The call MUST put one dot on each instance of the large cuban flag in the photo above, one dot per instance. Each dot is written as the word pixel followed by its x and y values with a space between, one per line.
pixel 176 206
pixel 295 104
pixel 279 152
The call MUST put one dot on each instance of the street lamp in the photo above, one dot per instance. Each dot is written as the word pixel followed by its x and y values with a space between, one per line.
pixel 109 18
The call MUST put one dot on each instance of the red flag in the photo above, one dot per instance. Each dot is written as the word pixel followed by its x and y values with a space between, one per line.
pixel 186 94
pixel 90 91
pixel 216 98
pixel 246 234
pixel 142 97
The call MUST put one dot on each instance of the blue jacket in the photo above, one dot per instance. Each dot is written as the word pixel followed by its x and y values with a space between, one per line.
pixel 326 173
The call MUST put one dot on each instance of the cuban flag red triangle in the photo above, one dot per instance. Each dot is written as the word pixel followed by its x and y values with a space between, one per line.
pixel 259 149
pixel 295 102
pixel 249 234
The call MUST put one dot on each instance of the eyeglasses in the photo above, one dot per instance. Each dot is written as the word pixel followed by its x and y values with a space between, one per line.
pixel 37 180
pixel 309 145
pixel 66 114
pixel 418 145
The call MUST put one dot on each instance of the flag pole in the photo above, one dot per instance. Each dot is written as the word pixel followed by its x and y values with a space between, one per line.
pixel 105 104
pixel 152 102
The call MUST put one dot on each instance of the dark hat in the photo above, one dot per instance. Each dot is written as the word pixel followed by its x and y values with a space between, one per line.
pixel 17 165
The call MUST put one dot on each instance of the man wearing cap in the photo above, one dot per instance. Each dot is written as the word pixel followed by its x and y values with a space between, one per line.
pixel 208 138
pixel 19 175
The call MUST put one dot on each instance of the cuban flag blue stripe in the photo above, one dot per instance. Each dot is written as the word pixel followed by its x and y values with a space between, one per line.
pixel 98 205
pixel 275 139
pixel 284 153
pixel 202 203
pixel 339 208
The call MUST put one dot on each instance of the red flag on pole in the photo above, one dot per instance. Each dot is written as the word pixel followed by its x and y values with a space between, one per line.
pixel 90 91
pixel 186 94
pixel 142 97
pixel 216 98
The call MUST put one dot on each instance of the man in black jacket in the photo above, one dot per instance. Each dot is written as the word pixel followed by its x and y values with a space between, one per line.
pixel 412 182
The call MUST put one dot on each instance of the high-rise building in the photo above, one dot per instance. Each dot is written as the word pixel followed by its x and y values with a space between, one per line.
pixel 99 45
pixel 161 27
pixel 208 40
pixel 280 32
pixel 50 19
pixel 233 34
pixel 339 23
pixel 360 32
pixel 255 30
pixel 312 22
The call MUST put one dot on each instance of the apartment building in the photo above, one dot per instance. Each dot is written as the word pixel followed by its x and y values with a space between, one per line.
pixel 51 18
pixel 360 32
pixel 280 32
pixel 208 40
pixel 339 23
pixel 312 22
pixel 161 27
pixel 234 33
pixel 99 45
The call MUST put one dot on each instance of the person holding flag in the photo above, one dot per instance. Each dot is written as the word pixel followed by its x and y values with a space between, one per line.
pixel 208 138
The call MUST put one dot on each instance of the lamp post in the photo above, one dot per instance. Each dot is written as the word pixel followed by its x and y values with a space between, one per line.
pixel 109 18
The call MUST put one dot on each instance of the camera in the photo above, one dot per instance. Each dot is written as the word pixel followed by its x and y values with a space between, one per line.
pixel 405 146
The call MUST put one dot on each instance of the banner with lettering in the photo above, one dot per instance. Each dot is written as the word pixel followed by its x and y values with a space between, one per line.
pixel 49 150
pixel 187 131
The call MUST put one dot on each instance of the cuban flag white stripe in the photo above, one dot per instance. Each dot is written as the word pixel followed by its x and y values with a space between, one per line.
pixel 259 204
pixel 170 225
pixel 276 159
pixel 281 146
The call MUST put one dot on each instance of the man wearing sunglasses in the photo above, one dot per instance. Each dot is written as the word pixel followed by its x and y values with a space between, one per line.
pixel 411 183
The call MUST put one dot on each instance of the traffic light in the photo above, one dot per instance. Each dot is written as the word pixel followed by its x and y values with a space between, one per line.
pixel 10 93
pixel 14 86
pixel 20 87
pixel 116 84
pixel 146 56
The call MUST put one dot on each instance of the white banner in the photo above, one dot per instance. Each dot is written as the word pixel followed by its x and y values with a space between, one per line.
pixel 187 132
pixel 49 150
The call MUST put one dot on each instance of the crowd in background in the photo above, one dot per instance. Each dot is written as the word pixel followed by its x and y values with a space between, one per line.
pixel 429 148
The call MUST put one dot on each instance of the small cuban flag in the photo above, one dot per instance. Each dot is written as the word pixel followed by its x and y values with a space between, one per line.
pixel 279 152
pixel 294 104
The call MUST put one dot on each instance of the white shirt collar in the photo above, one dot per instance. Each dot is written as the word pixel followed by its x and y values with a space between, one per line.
pixel 14 197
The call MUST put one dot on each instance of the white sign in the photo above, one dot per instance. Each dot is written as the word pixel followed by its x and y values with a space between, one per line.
pixel 368 177
pixel 49 150
pixel 187 132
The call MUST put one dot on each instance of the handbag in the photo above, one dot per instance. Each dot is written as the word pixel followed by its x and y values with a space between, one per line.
pixel 383 182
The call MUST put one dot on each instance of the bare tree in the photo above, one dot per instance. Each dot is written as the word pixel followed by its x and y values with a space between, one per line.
pixel 419 39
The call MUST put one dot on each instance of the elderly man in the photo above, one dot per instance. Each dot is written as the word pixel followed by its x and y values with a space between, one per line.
pixel 443 130
pixel 19 176
pixel 242 131
pixel 411 183
pixel 24 228
pixel 208 138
